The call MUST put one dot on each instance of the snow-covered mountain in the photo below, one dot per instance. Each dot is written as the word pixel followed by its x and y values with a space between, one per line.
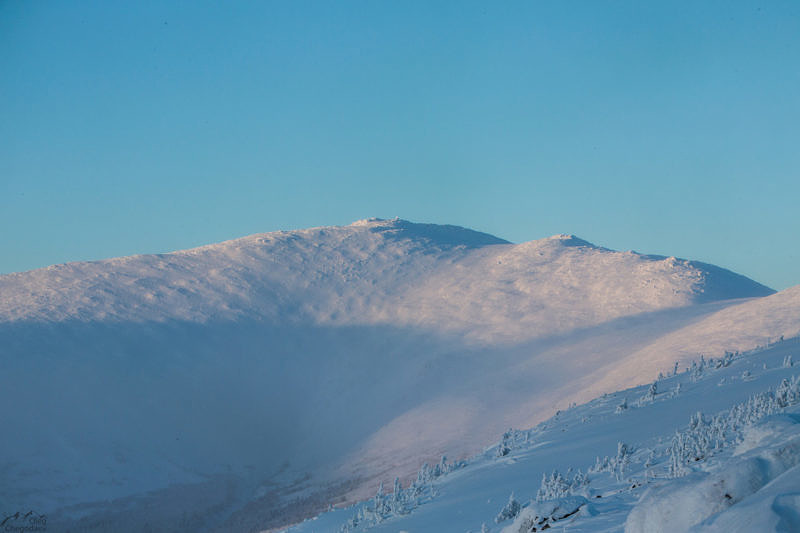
pixel 250 383
pixel 376 272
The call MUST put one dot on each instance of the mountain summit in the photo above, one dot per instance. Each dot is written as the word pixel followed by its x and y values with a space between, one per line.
pixel 374 271
pixel 438 234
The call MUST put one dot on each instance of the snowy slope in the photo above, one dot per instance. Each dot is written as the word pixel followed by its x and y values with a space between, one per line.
pixel 313 275
pixel 375 272
pixel 258 379
pixel 743 480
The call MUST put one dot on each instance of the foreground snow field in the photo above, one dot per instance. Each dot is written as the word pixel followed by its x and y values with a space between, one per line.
pixel 249 384
pixel 716 448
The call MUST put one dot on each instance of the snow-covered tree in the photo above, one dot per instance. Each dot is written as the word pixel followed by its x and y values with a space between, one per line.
pixel 650 396
pixel 509 511
pixel 504 448
pixel 623 406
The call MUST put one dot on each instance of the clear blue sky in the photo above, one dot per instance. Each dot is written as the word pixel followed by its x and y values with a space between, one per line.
pixel 132 127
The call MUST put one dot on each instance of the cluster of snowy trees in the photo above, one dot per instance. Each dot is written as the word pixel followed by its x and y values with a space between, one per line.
pixel 704 437
pixel 400 501
pixel 557 486
pixel 616 465
pixel 699 368
pixel 511 439
pixel 558 489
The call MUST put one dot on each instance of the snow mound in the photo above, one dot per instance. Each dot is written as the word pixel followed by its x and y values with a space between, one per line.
pixel 541 516
pixel 755 492
pixel 773 508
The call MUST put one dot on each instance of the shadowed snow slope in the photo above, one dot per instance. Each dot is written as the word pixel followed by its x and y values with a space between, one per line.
pixel 348 353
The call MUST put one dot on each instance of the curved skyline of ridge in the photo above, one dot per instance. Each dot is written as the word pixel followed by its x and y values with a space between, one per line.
pixel 668 128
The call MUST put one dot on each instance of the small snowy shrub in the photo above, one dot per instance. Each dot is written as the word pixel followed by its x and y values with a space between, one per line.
pixel 509 511
pixel 650 396
pixel 622 406
pixel 504 448
pixel 401 501
pixel 512 439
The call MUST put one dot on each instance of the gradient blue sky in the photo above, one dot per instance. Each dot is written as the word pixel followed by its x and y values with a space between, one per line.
pixel 669 128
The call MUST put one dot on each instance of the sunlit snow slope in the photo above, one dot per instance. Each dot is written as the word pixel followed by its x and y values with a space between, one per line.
pixel 255 380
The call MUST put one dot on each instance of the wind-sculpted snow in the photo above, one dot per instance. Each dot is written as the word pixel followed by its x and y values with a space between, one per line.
pixel 375 272
pixel 299 368
pixel 714 499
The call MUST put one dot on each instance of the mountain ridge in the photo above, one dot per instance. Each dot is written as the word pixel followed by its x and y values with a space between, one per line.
pixel 234 277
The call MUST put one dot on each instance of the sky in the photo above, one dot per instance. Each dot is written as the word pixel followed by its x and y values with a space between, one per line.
pixel 145 127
